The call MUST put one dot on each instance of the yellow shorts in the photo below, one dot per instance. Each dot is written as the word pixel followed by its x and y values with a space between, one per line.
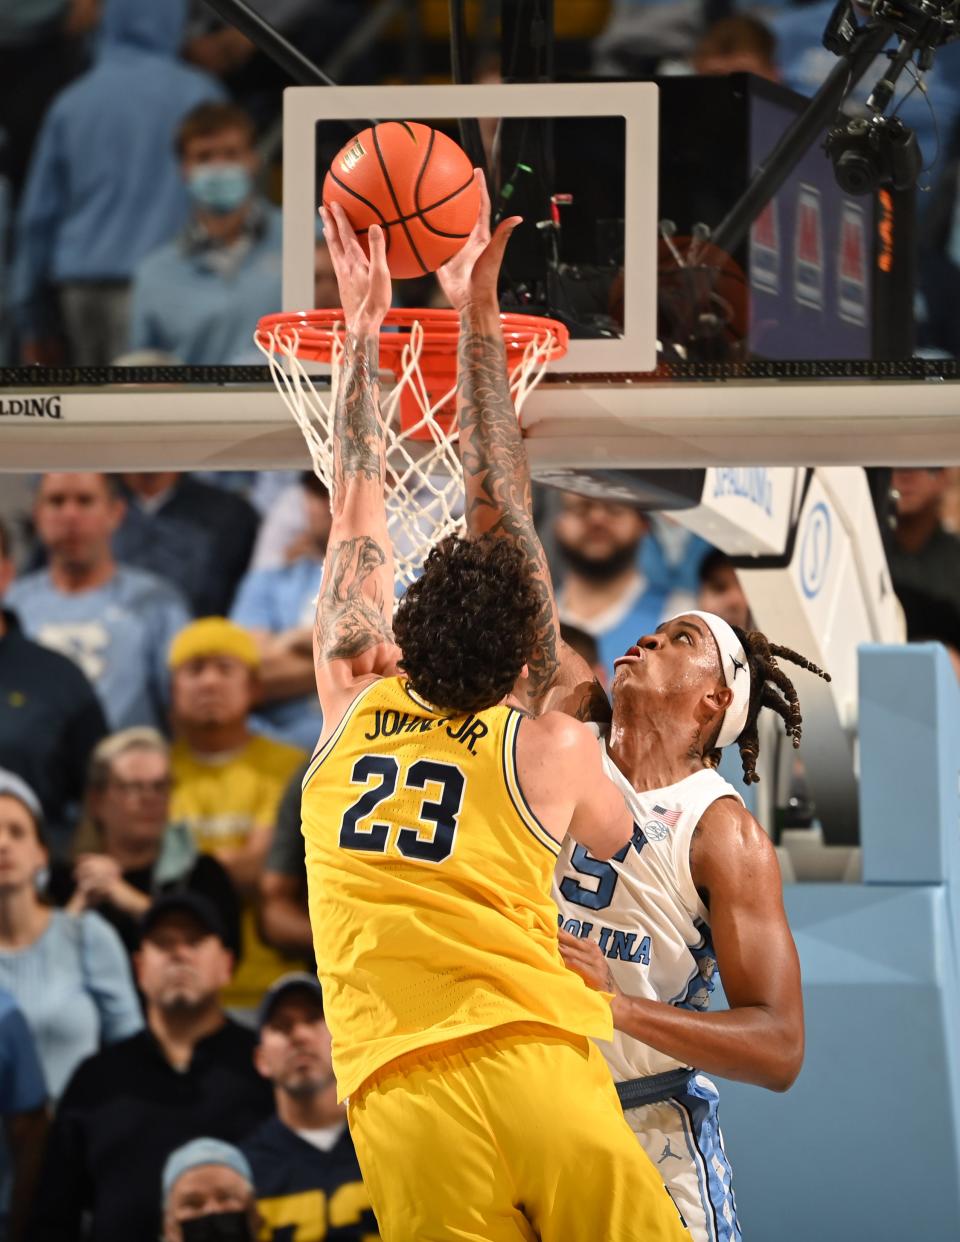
pixel 513 1134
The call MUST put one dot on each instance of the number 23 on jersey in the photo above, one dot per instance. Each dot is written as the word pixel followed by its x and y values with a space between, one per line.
pixel 430 793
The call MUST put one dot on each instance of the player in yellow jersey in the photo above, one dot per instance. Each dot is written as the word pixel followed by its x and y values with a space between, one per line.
pixel 433 812
pixel 699 889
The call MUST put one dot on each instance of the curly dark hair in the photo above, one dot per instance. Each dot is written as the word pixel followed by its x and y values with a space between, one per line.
pixel 468 624
pixel 769 687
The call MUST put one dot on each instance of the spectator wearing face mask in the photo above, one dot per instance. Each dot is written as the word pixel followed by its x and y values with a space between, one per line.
pixel 102 190
pixel 189 1073
pixel 200 296
pixel 208 1194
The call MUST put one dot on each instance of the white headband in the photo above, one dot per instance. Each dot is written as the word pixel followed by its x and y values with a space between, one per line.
pixel 736 673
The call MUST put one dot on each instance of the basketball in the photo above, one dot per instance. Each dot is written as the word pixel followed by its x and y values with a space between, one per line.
pixel 416 183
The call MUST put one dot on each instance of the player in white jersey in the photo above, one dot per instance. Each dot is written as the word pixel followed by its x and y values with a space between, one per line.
pixel 698 887
pixel 697 892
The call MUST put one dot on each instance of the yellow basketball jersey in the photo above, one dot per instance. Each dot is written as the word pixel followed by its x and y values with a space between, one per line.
pixel 222 800
pixel 429 883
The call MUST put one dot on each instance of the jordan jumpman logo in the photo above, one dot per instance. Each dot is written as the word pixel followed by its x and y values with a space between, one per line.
pixel 667 1152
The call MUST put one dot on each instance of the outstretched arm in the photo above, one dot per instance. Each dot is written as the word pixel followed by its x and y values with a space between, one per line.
pixel 352 635
pixel 495 470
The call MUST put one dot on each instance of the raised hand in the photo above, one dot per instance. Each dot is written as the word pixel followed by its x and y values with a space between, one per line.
pixel 470 277
pixel 364 283
pixel 98 878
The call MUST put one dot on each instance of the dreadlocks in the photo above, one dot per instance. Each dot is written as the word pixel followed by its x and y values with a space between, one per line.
pixel 769 687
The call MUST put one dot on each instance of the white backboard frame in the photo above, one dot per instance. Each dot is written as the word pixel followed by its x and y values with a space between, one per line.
pixel 636 102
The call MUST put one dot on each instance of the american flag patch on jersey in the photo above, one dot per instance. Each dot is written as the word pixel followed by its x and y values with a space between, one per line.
pixel 669 817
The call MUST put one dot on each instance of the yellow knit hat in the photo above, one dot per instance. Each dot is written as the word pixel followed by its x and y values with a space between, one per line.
pixel 213 636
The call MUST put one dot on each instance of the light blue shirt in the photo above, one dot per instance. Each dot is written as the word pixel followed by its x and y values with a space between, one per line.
pixel 73 986
pixel 638 612
pixel 118 634
pixel 276 600
pixel 195 302
pixel 650 608
pixel 104 187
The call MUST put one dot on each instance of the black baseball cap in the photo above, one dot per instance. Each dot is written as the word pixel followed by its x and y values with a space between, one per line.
pixel 297 981
pixel 184 902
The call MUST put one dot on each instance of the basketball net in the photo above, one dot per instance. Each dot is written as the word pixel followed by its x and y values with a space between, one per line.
pixel 424 489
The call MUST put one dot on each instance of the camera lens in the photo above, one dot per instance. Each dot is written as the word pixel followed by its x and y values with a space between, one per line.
pixel 856 172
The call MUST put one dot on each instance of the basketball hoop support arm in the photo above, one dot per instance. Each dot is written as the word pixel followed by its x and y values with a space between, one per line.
pixel 239 15
pixel 800 136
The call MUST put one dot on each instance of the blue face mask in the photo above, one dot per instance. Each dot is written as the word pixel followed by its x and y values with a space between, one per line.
pixel 220 188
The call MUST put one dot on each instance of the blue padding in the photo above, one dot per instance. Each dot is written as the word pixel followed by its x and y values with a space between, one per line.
pixel 865 1145
pixel 909 731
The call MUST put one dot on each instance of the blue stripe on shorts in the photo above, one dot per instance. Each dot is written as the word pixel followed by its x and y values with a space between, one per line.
pixel 697 1106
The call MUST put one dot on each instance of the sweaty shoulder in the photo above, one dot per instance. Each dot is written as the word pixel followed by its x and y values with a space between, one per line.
pixel 563 734
pixel 728 825
pixel 558 735
pixel 729 847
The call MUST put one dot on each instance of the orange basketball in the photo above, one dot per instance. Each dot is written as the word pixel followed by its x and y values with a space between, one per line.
pixel 415 182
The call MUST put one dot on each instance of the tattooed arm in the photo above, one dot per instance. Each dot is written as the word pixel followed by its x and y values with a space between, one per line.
pixel 496 474
pixel 352 635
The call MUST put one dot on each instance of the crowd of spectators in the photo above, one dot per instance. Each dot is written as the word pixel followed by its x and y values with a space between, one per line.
pixel 163 1053
pixel 152 886
pixel 153 895
pixel 140 167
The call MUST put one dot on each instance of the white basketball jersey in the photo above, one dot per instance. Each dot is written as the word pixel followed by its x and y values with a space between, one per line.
pixel 642 908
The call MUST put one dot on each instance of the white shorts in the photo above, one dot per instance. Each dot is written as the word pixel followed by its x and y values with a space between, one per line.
pixel 682 1137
